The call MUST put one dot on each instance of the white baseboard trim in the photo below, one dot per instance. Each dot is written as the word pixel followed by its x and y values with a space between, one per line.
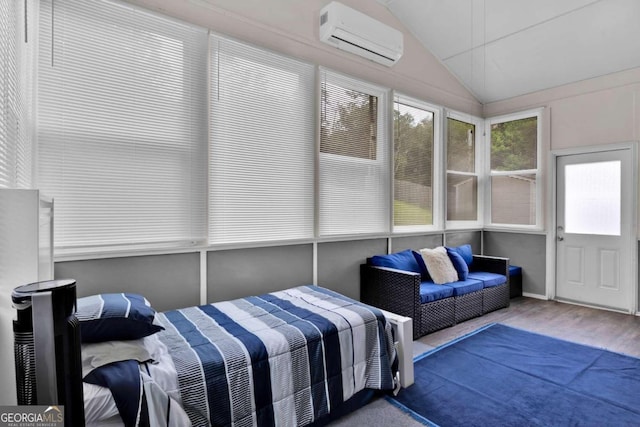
pixel 536 296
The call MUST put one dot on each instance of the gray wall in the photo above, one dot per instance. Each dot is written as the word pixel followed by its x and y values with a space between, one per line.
pixel 173 281
pixel 638 278
pixel 451 238
pixel 473 238
pixel 242 272
pixel 167 281
pixel 526 250
pixel 339 263
pixel 416 242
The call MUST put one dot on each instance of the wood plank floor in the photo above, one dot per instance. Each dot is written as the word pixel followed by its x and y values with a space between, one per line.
pixel 598 328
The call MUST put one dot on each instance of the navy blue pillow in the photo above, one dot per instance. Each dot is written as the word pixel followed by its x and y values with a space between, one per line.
pixel 107 317
pixel 459 264
pixel 465 252
pixel 400 260
pixel 423 267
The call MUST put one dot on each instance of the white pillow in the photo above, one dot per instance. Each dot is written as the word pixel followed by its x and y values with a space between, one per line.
pixel 439 265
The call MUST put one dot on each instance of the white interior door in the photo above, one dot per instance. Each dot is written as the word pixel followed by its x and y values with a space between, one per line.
pixel 594 219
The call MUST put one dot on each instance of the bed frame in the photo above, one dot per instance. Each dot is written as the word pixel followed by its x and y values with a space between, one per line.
pixel 403 332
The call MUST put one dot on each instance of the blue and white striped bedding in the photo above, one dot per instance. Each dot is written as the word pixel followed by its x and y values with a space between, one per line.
pixel 285 358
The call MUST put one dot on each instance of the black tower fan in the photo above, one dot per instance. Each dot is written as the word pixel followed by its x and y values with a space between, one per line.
pixel 47 347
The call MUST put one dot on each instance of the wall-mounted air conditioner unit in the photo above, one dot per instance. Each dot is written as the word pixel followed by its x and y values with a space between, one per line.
pixel 355 32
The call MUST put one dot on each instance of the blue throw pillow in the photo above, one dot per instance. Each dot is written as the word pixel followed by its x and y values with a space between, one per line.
pixel 400 260
pixel 465 252
pixel 423 267
pixel 459 264
pixel 107 317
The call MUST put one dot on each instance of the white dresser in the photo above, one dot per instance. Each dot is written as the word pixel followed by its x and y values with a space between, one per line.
pixel 26 256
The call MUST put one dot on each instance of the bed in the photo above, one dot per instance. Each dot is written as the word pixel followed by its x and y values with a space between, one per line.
pixel 293 357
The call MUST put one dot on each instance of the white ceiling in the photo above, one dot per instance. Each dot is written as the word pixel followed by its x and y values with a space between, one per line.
pixel 500 49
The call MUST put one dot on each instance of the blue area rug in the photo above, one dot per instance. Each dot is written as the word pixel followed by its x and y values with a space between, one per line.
pixel 502 376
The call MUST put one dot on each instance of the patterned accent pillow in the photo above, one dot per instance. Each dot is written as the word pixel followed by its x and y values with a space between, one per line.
pixel 439 265
pixel 108 317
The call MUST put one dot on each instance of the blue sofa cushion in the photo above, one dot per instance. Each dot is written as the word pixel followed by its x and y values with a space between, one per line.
pixel 488 279
pixel 459 264
pixel 404 260
pixel 463 287
pixel 465 252
pixel 430 292
pixel 514 270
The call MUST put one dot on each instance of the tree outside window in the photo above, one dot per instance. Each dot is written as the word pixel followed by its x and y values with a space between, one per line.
pixel 413 165
pixel 349 122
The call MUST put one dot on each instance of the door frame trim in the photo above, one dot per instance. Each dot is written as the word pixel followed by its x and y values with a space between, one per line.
pixel 632 146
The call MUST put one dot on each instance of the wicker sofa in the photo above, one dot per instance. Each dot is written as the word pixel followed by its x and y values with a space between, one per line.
pixel 399 291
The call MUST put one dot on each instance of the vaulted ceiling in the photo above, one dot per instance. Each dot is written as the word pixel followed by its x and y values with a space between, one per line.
pixel 501 49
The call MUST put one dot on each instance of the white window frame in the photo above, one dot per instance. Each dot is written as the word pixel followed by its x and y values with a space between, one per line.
pixel 437 209
pixel 538 226
pixel 479 168
pixel 383 148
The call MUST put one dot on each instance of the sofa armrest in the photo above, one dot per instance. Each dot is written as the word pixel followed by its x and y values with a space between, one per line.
pixel 490 264
pixel 393 290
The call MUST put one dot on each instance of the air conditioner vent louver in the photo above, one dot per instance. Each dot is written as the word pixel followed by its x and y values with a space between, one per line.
pixel 339 40
pixel 324 18
pixel 355 32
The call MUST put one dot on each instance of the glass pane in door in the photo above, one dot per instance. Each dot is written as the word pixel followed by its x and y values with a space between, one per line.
pixel 592 198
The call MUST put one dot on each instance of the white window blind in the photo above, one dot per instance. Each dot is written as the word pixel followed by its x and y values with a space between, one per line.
pixel 122 125
pixel 16 90
pixel 354 157
pixel 261 174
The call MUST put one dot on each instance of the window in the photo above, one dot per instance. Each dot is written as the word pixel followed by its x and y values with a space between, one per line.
pixel 354 147
pixel 262 150
pixel 122 125
pixel 414 132
pixel 514 169
pixel 592 198
pixel 462 171
pixel 16 81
